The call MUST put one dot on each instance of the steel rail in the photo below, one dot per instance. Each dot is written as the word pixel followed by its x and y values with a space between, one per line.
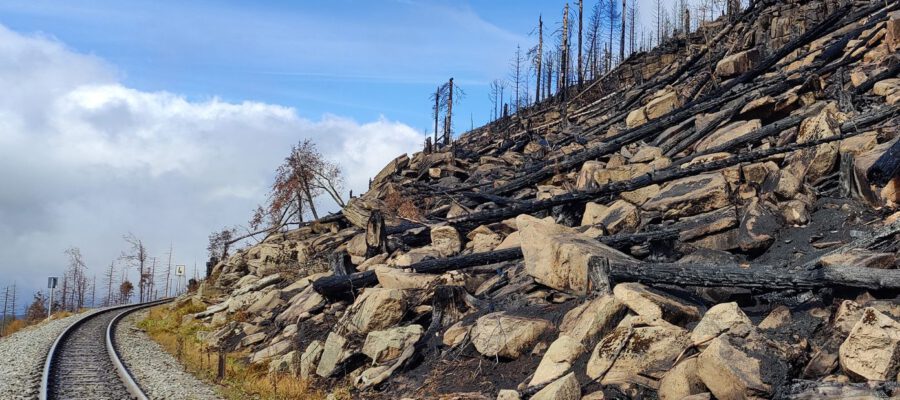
pixel 121 370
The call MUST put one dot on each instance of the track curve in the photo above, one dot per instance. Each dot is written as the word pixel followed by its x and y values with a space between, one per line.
pixel 83 363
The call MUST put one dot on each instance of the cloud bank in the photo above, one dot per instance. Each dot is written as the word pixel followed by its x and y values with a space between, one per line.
pixel 85 159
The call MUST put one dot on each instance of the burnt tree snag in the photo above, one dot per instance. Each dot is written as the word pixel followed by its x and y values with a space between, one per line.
pixel 886 167
pixel 376 235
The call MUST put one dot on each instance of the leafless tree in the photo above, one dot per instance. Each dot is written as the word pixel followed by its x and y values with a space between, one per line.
pixel 137 256
pixel 622 31
pixel 516 75
pixel 612 15
pixel 564 41
pixel 535 54
pixel 660 14
pixel 580 36
pixel 632 18
pixel 109 275
pixel 444 98
pixel 497 88
pixel 595 23
pixel 549 65
pixel 77 278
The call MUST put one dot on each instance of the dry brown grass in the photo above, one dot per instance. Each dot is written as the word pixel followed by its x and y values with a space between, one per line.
pixel 242 381
pixel 14 326
pixel 20 324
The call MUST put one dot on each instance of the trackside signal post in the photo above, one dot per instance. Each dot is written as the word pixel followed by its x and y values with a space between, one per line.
pixel 51 284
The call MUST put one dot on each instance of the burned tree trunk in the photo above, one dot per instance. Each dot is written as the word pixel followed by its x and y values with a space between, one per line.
pixel 755 277
pixel 886 167
pixel 340 264
pixel 336 286
pixel 376 235
pixel 341 285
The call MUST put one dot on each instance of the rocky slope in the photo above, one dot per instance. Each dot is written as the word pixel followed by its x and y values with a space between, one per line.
pixel 711 219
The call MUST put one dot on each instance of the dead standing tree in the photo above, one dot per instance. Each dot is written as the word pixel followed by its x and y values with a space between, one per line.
pixel 515 75
pixel 580 36
pixel 137 256
pixel 109 275
pixel 594 25
pixel 536 54
pixel 611 11
pixel 564 54
pixel 444 98
pixel 497 87
pixel 77 279
pixel 622 31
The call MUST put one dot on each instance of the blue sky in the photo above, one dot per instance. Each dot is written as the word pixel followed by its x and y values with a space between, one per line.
pixel 359 59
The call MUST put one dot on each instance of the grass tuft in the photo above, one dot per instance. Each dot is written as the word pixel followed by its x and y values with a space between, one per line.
pixel 242 380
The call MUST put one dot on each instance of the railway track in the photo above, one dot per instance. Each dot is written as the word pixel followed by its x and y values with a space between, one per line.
pixel 83 362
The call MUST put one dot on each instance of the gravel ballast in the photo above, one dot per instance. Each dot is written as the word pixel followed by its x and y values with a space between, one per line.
pixel 22 357
pixel 156 371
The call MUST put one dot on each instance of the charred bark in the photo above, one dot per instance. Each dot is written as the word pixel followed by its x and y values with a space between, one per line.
pixel 756 277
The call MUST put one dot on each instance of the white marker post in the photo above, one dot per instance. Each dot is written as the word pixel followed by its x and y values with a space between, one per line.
pixel 179 272
pixel 51 284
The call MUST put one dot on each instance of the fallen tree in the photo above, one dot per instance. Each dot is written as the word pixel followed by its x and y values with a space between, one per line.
pixel 342 284
pixel 605 192
pixel 756 277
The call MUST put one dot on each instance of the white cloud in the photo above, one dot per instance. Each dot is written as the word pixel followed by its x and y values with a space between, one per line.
pixel 84 159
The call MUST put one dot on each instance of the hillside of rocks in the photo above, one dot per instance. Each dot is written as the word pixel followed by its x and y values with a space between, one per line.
pixel 713 219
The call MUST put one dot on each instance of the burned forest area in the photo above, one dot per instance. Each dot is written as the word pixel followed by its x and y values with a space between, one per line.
pixel 715 218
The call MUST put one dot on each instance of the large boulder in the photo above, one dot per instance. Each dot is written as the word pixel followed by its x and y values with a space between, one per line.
pixel 742 367
pixel 729 133
pixel 872 351
pixel 585 181
pixel 636 118
pixel 681 381
pixel 558 359
pixel 690 196
pixel 565 388
pixel 618 217
pixel 334 351
pixel 266 303
pixel 374 309
pixel 557 256
pixel 501 335
pixel 892 38
pixel 274 350
pixel 592 319
pixel 654 305
pixel 395 278
pixel 637 352
pixel 302 305
pixel 446 240
pixel 662 104
pixel 387 345
pixel 759 224
pixel 719 319
pixel 813 163
pixel 737 64
pixel 310 358
pixel 394 167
